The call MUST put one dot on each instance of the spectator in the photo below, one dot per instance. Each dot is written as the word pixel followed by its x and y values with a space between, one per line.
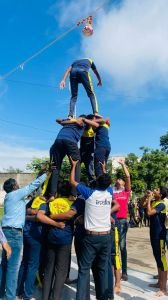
pixel 121 195
pixel 12 225
pixel 156 209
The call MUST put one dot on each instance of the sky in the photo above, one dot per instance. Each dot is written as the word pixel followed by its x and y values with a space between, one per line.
pixel 130 49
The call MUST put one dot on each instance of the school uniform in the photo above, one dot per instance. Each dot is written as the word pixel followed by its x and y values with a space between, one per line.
pixel 80 74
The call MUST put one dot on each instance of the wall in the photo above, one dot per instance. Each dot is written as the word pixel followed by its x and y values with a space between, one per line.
pixel 22 179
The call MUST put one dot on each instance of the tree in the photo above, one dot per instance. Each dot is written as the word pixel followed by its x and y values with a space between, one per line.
pixel 164 142
pixel 154 168
pixel 35 167
pixel 13 170
pixel 35 164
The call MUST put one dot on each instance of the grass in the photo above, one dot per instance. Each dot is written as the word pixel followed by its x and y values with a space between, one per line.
pixel 1 212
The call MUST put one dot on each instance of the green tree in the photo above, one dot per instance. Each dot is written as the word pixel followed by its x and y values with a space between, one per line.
pixel 35 167
pixel 164 142
pixel 153 168
pixel 13 170
pixel 35 164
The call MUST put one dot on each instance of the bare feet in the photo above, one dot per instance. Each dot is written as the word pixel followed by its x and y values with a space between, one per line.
pixel 160 293
pixel 154 285
pixel 117 289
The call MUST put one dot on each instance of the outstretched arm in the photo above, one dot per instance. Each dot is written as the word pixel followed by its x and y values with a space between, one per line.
pixel 67 121
pixel 91 122
pixel 98 77
pixel 103 120
pixel 127 175
pixel 72 180
pixel 62 83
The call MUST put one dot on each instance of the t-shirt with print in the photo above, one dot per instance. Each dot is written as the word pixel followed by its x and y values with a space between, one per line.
pixel 157 222
pixel 122 197
pixel 97 208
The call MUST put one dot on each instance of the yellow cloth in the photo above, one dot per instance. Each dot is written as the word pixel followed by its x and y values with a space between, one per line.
pixel 60 205
pixel 37 201
pixel 88 132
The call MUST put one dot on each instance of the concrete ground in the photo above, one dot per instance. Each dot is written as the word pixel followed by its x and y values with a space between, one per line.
pixel 141 268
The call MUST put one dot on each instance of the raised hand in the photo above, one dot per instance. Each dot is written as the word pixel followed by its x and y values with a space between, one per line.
pixel 73 162
pixel 62 84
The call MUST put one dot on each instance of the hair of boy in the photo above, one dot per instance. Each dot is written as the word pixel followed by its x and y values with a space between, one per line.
pixel 64 189
pixel 164 192
pixel 9 184
pixel 82 116
pixel 103 181
pixel 90 117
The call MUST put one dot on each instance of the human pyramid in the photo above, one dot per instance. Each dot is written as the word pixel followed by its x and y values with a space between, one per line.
pixel 60 210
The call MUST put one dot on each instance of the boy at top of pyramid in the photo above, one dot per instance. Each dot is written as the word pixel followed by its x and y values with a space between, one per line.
pixel 79 73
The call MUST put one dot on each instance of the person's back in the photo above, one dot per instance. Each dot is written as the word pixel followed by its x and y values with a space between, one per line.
pixel 79 74
pixel 97 241
pixel 71 132
pixel 83 64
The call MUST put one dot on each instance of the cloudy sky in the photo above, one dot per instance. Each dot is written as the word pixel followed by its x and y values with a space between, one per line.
pixel 129 47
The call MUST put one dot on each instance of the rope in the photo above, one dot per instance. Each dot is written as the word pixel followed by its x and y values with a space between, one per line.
pixel 23 63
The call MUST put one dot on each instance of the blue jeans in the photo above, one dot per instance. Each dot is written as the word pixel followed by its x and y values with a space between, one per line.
pixel 29 267
pixel 94 247
pixel 123 228
pixel 10 268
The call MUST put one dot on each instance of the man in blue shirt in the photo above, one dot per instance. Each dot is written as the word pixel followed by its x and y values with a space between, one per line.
pixel 12 225
pixel 79 73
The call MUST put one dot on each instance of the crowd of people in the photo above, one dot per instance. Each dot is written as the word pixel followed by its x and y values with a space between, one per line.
pixel 45 216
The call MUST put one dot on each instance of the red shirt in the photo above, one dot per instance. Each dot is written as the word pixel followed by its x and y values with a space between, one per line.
pixel 122 197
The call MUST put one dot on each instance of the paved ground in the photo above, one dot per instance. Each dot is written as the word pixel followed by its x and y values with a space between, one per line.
pixel 141 269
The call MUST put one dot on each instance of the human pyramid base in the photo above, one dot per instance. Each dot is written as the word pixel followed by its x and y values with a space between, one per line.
pixel 60 210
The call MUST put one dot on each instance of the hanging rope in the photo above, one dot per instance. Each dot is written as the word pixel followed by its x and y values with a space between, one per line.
pixel 23 63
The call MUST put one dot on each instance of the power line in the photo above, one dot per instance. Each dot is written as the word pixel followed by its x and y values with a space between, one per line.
pixel 44 85
pixel 27 126
pixel 23 63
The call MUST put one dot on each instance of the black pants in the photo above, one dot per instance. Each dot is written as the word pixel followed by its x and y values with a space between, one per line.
pixel 79 76
pixel 101 155
pixel 56 271
pixel 58 151
pixel 87 155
